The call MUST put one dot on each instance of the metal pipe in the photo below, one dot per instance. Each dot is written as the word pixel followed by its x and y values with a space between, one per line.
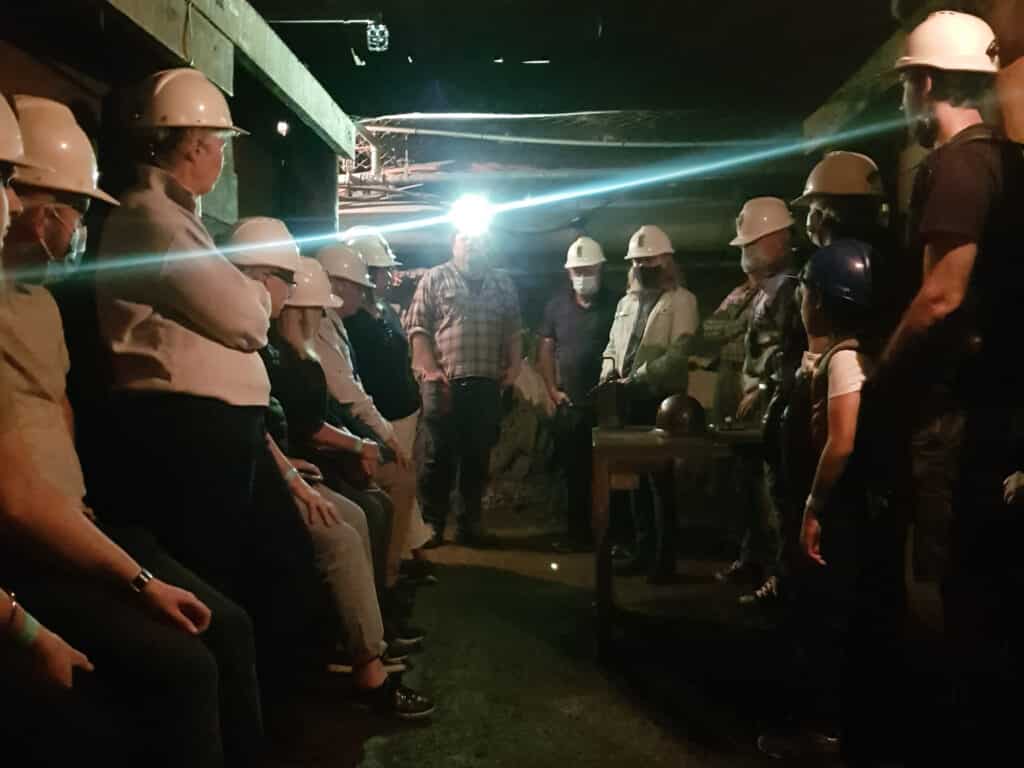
pixel 394 129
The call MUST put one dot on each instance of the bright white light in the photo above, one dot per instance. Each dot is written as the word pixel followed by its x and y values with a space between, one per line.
pixel 499 61
pixel 472 214
pixel 283 127
pixel 355 57
pixel 554 566
pixel 410 59
pixel 377 38
pixel 537 61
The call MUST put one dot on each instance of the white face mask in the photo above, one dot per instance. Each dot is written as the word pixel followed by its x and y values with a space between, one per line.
pixel 586 285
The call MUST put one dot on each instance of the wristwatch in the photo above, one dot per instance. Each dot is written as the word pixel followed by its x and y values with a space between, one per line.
pixel 140 582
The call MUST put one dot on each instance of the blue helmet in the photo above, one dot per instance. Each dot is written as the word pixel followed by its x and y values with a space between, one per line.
pixel 841 274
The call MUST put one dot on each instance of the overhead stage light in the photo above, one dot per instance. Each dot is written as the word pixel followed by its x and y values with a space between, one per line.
pixel 377 37
pixel 472 214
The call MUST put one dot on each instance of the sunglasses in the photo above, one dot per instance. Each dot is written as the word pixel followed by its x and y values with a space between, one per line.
pixel 286 277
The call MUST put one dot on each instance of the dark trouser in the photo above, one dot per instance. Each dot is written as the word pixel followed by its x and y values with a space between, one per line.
pixel 197 474
pixel 459 429
pixel 982 592
pixel 175 699
pixel 760 543
pixel 573 440
pixel 653 505
pixel 849 617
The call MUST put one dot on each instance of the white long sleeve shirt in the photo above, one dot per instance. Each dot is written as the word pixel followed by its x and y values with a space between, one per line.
pixel 335 352
pixel 176 315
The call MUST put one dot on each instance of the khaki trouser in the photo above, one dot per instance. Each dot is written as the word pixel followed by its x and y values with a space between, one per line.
pixel 400 486
pixel 419 532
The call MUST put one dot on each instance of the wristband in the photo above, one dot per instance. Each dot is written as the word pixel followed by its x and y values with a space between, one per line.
pixel 141 580
pixel 29 630
pixel 291 473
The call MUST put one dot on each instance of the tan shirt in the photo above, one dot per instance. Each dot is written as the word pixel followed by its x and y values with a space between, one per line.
pixel 36 361
pixel 184 320
pixel 332 347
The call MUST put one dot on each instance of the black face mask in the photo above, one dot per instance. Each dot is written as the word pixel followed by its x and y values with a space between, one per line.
pixel 649 277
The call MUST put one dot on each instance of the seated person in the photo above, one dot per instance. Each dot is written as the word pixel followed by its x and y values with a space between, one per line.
pixel 342 545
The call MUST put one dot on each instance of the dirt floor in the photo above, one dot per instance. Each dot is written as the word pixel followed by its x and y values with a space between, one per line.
pixel 510 660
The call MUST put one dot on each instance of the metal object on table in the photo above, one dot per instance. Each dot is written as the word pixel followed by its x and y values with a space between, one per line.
pixel 680 415
pixel 610 400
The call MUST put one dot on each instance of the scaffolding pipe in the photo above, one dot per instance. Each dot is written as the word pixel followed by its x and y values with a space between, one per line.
pixel 393 129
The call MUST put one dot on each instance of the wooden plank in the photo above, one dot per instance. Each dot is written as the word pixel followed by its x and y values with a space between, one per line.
pixel 874 78
pixel 187 34
pixel 266 56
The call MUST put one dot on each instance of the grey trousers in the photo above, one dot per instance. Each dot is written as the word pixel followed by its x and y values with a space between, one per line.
pixel 344 558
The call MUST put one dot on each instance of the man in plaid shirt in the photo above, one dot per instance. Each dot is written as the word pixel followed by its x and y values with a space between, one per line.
pixel 464 326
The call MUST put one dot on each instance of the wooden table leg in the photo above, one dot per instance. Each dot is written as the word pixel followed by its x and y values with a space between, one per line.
pixel 600 518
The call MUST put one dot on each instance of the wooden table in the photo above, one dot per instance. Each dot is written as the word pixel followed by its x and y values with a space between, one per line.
pixel 625 454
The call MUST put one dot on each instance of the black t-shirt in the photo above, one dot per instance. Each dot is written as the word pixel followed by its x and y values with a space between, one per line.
pixel 580 335
pixel 973 188
pixel 385 367
pixel 300 389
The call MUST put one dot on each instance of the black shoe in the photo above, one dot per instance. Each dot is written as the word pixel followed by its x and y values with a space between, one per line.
pixel 664 579
pixel 635 567
pixel 572 547
pixel 396 700
pixel 435 541
pixel 764 596
pixel 419 573
pixel 795 743
pixel 620 552
pixel 740 572
pixel 474 540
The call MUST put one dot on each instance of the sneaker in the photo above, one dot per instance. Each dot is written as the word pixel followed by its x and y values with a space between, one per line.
pixel 764 595
pixel 400 636
pixel 341 664
pixel 396 700
pixel 740 572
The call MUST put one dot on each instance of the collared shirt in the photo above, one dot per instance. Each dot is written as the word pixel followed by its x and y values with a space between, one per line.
pixel 469 326
pixel 336 357
pixel 186 320
pixel 36 361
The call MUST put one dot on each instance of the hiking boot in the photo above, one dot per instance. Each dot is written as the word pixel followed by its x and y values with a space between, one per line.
pixel 765 595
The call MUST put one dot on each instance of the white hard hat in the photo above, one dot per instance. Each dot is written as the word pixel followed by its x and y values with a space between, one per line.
pixel 51 135
pixel 12 149
pixel 263 242
pixel 343 261
pixel 760 217
pixel 952 41
pixel 585 252
pixel 312 288
pixel 648 241
pixel 842 173
pixel 374 250
pixel 183 98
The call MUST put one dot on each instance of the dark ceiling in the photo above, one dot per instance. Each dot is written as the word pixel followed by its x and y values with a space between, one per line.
pixel 763 63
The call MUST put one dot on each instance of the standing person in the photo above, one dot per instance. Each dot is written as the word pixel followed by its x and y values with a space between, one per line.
pixel 951 365
pixel 465 329
pixel 773 345
pixel 723 335
pixel 648 352
pixel 575 331
pixel 841 520
pixel 183 328
pixel 385 369
pixel 140 631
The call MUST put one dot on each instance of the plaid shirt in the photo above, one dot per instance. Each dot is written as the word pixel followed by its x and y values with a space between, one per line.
pixel 469 328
